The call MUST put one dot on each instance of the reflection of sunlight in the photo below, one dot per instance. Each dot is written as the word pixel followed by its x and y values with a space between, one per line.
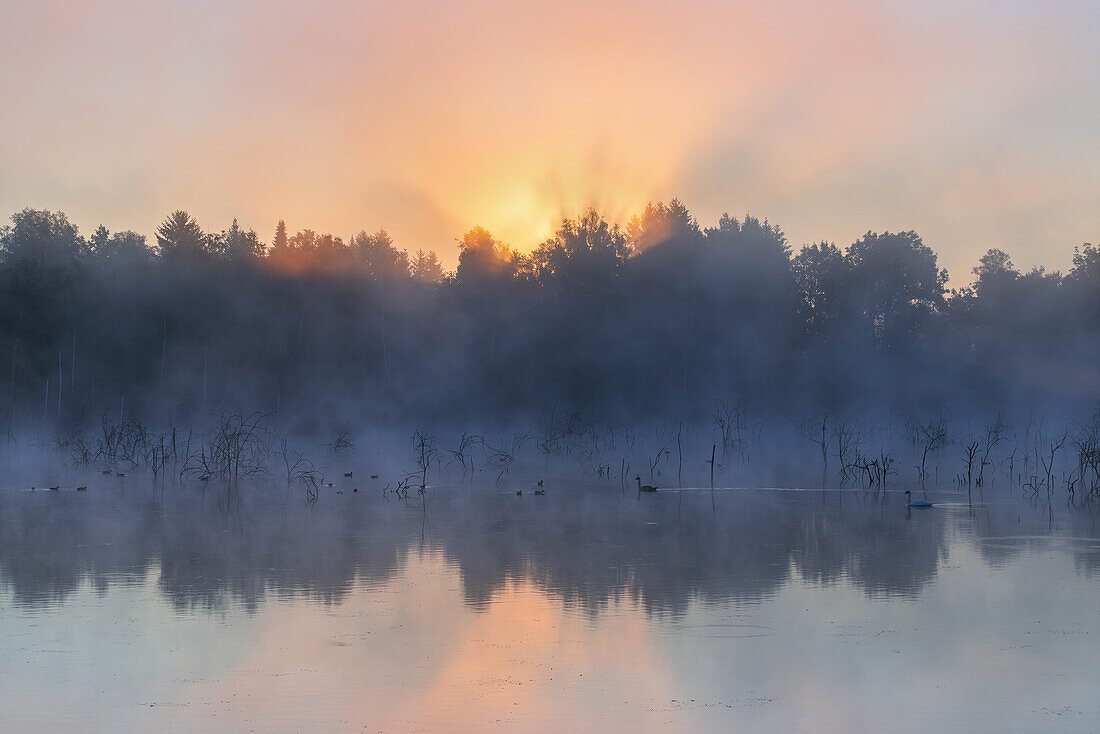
pixel 524 663
pixel 413 656
pixel 998 635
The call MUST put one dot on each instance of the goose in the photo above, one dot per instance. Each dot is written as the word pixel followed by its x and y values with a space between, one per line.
pixel 916 503
pixel 644 487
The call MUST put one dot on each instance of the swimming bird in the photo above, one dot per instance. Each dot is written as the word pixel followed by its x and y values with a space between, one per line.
pixel 916 503
pixel 644 487
pixel 540 491
pixel 540 482
pixel 348 474
pixel 82 489
pixel 519 492
pixel 55 489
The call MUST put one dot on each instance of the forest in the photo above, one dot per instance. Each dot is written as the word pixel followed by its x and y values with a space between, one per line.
pixel 654 320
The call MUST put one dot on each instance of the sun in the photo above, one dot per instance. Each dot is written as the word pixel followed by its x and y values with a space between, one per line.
pixel 516 214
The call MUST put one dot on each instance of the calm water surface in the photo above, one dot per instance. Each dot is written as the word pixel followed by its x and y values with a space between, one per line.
pixel 195 608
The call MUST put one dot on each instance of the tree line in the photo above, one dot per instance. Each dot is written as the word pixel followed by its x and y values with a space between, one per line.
pixel 658 317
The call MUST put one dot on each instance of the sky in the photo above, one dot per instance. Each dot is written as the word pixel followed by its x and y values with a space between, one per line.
pixel 972 122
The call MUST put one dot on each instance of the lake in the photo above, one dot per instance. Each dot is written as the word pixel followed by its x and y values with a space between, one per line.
pixel 203 608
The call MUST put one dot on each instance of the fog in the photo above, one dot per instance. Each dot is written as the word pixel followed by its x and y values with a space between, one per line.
pixel 639 346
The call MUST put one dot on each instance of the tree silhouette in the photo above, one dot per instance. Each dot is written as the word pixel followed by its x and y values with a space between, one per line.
pixel 425 266
pixel 376 256
pixel 896 284
pixel 179 237
pixel 657 318
pixel 280 241
pixel 822 273
pixel 585 255
pixel 239 245
pixel 481 258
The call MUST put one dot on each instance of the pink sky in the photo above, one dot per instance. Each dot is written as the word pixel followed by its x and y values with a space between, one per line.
pixel 972 122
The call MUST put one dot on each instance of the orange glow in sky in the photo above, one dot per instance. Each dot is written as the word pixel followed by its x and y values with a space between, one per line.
pixel 963 120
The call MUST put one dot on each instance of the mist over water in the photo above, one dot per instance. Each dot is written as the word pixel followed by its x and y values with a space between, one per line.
pixel 349 383
pixel 648 478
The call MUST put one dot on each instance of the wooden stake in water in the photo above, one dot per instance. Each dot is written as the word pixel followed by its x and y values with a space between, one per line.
pixel 680 457
pixel 163 352
pixel 713 448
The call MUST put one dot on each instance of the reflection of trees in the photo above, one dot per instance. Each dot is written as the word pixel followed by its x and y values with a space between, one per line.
pixel 588 547
pixel 207 550
pixel 601 547
pixel 1004 531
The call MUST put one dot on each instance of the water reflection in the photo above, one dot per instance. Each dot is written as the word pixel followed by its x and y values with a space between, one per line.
pixel 586 546
pixel 477 609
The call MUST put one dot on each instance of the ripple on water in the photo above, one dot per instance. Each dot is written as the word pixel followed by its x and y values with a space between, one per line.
pixel 720 631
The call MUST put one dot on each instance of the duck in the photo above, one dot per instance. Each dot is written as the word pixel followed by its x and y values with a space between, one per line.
pixel 348 474
pixel 916 503
pixel 82 488
pixel 644 487
pixel 540 492
pixel 519 493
